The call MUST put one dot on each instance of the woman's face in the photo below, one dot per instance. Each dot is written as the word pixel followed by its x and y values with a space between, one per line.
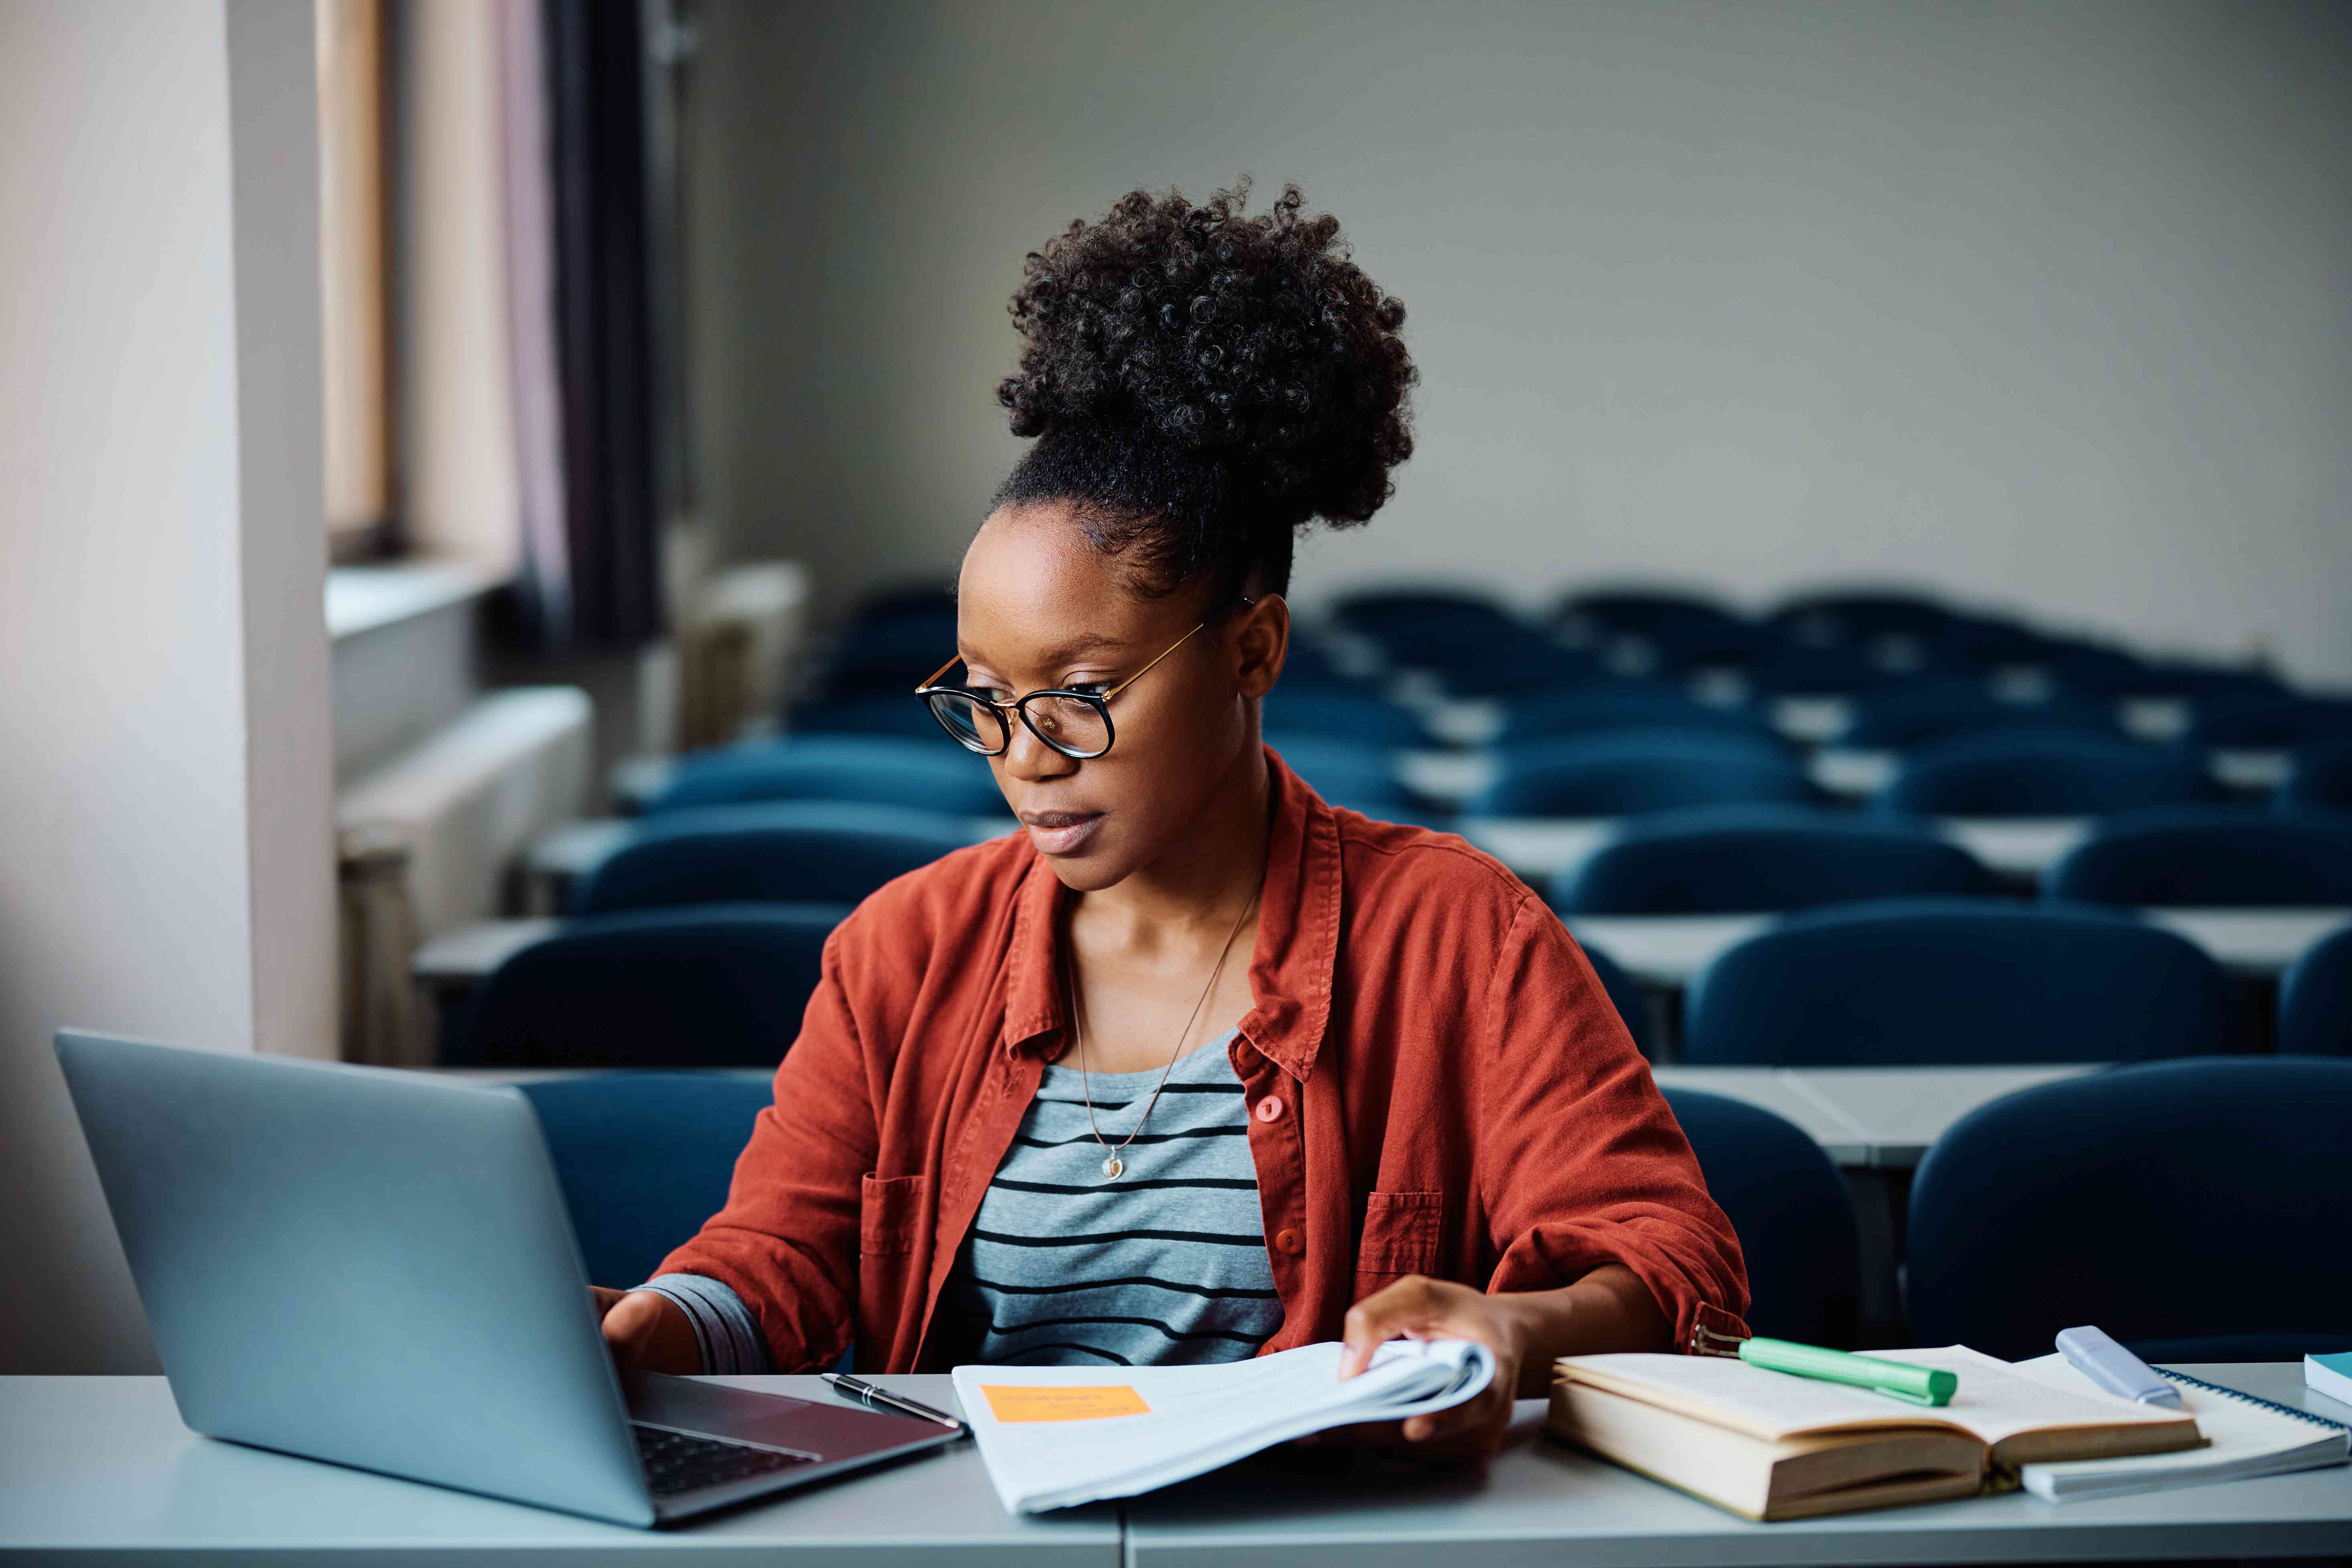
pixel 1038 606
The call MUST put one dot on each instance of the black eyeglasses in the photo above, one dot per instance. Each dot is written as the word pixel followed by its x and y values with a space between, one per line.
pixel 1074 723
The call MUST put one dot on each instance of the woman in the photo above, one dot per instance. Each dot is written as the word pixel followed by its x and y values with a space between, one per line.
pixel 1196 1065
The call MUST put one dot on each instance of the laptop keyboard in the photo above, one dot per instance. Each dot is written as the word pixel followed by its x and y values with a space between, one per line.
pixel 676 1462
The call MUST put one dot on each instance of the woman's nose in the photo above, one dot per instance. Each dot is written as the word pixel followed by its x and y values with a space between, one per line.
pixel 1030 760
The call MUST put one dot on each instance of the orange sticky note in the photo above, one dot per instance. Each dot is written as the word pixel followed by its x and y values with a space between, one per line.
pixel 1082 1402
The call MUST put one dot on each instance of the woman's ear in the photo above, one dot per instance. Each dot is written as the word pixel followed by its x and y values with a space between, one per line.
pixel 1261 641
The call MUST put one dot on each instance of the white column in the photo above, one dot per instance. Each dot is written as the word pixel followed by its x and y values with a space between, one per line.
pixel 166 866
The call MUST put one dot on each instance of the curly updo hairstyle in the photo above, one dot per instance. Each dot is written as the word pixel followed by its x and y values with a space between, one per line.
pixel 1203 383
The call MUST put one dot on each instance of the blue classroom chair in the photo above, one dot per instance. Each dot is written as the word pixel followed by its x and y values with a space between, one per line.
pixel 1624 994
pixel 1858 616
pixel 894 714
pixel 644 1158
pixel 2314 1000
pixel 1357 716
pixel 2195 1210
pixel 2209 856
pixel 2321 780
pixel 1740 860
pixel 1794 670
pixel 1359 776
pixel 1793 1213
pixel 779 852
pixel 714 985
pixel 1623 772
pixel 1953 983
pixel 2040 773
pixel 928 774
pixel 1620 705
pixel 2272 723
pixel 890 653
pixel 1918 712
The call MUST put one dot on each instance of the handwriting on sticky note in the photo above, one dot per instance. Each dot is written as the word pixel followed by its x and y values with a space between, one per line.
pixel 1082 1402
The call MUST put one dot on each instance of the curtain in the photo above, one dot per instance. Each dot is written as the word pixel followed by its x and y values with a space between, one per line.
pixel 594 75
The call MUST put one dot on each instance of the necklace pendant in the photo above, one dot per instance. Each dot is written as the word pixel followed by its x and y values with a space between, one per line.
pixel 1113 1167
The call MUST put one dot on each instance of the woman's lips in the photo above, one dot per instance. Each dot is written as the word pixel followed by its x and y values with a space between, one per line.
pixel 1061 832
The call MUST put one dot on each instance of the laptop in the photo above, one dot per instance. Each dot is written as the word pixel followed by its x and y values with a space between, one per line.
pixel 376 1268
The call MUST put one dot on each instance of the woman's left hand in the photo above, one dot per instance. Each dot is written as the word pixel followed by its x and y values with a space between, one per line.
pixel 1418 1307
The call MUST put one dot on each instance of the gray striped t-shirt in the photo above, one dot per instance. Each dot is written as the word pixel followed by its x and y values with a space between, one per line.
pixel 1164 1266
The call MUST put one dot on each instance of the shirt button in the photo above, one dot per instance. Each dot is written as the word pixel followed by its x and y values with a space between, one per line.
pixel 1270 1108
pixel 1288 1241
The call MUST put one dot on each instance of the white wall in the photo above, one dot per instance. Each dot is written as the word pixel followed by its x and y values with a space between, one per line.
pixel 2044 305
pixel 165 864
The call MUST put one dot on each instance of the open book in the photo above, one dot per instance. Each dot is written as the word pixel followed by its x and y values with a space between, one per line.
pixel 1770 1446
pixel 1054 1435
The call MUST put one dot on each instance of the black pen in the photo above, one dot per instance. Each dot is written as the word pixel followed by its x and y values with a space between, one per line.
pixel 874 1398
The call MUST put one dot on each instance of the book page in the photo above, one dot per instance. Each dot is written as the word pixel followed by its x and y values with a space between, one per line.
pixel 2241 1438
pixel 1057 1434
pixel 1993 1402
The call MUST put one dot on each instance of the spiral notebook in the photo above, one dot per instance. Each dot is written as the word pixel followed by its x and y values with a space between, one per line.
pixel 2245 1438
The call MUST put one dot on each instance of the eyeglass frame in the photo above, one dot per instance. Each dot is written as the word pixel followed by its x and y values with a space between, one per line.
pixel 1098 700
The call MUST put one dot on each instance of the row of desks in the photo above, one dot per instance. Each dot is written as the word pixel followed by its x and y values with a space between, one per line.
pixel 101 1468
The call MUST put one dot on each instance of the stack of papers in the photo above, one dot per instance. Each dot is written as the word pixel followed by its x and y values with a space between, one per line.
pixel 2245 1438
pixel 1055 1436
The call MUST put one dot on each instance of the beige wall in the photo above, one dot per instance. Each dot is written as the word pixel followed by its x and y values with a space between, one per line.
pixel 165 865
pixel 2044 305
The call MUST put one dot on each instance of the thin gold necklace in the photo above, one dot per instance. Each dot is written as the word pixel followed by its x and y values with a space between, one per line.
pixel 1113 1167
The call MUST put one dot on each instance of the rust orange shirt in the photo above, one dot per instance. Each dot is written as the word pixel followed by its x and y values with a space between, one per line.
pixel 1437 1085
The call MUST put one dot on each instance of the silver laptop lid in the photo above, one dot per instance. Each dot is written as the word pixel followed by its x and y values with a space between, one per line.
pixel 367 1267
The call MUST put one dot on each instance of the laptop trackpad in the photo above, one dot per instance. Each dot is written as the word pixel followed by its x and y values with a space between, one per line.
pixel 722 1410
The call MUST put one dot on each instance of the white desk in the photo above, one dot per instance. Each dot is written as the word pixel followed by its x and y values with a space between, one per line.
pixel 1541 1503
pixel 1539 846
pixel 100 1466
pixel 1665 951
pixel 1901 1111
pixel 1782 1091
pixel 2022 848
pixel 2262 943
pixel 1870 1117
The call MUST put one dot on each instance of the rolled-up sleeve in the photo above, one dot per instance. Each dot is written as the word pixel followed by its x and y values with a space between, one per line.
pixel 786 1245
pixel 1580 1160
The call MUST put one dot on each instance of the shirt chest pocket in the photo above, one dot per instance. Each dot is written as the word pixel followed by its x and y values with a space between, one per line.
pixel 1402 1232
pixel 890 1210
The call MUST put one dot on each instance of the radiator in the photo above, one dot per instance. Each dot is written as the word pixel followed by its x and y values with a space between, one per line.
pixel 432 839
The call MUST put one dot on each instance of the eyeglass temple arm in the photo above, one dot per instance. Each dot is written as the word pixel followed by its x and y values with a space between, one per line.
pixel 933 677
pixel 1164 652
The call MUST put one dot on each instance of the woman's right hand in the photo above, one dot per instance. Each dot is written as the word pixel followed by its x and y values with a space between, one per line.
pixel 646 1331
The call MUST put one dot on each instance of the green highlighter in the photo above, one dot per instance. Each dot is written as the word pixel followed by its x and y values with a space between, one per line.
pixel 1918 1384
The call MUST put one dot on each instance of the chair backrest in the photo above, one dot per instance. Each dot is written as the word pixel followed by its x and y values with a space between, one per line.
pixel 1894 717
pixel 1791 670
pixel 1622 773
pixel 1620 705
pixel 1739 860
pixel 1353 773
pixel 2168 1204
pixel 1955 982
pixel 2321 780
pixel 2269 724
pixel 928 773
pixel 1624 994
pixel 876 714
pixel 644 1158
pixel 1859 614
pixel 785 852
pixel 1791 1210
pixel 2212 856
pixel 715 985
pixel 2040 773
pixel 2314 1000
pixel 1347 715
